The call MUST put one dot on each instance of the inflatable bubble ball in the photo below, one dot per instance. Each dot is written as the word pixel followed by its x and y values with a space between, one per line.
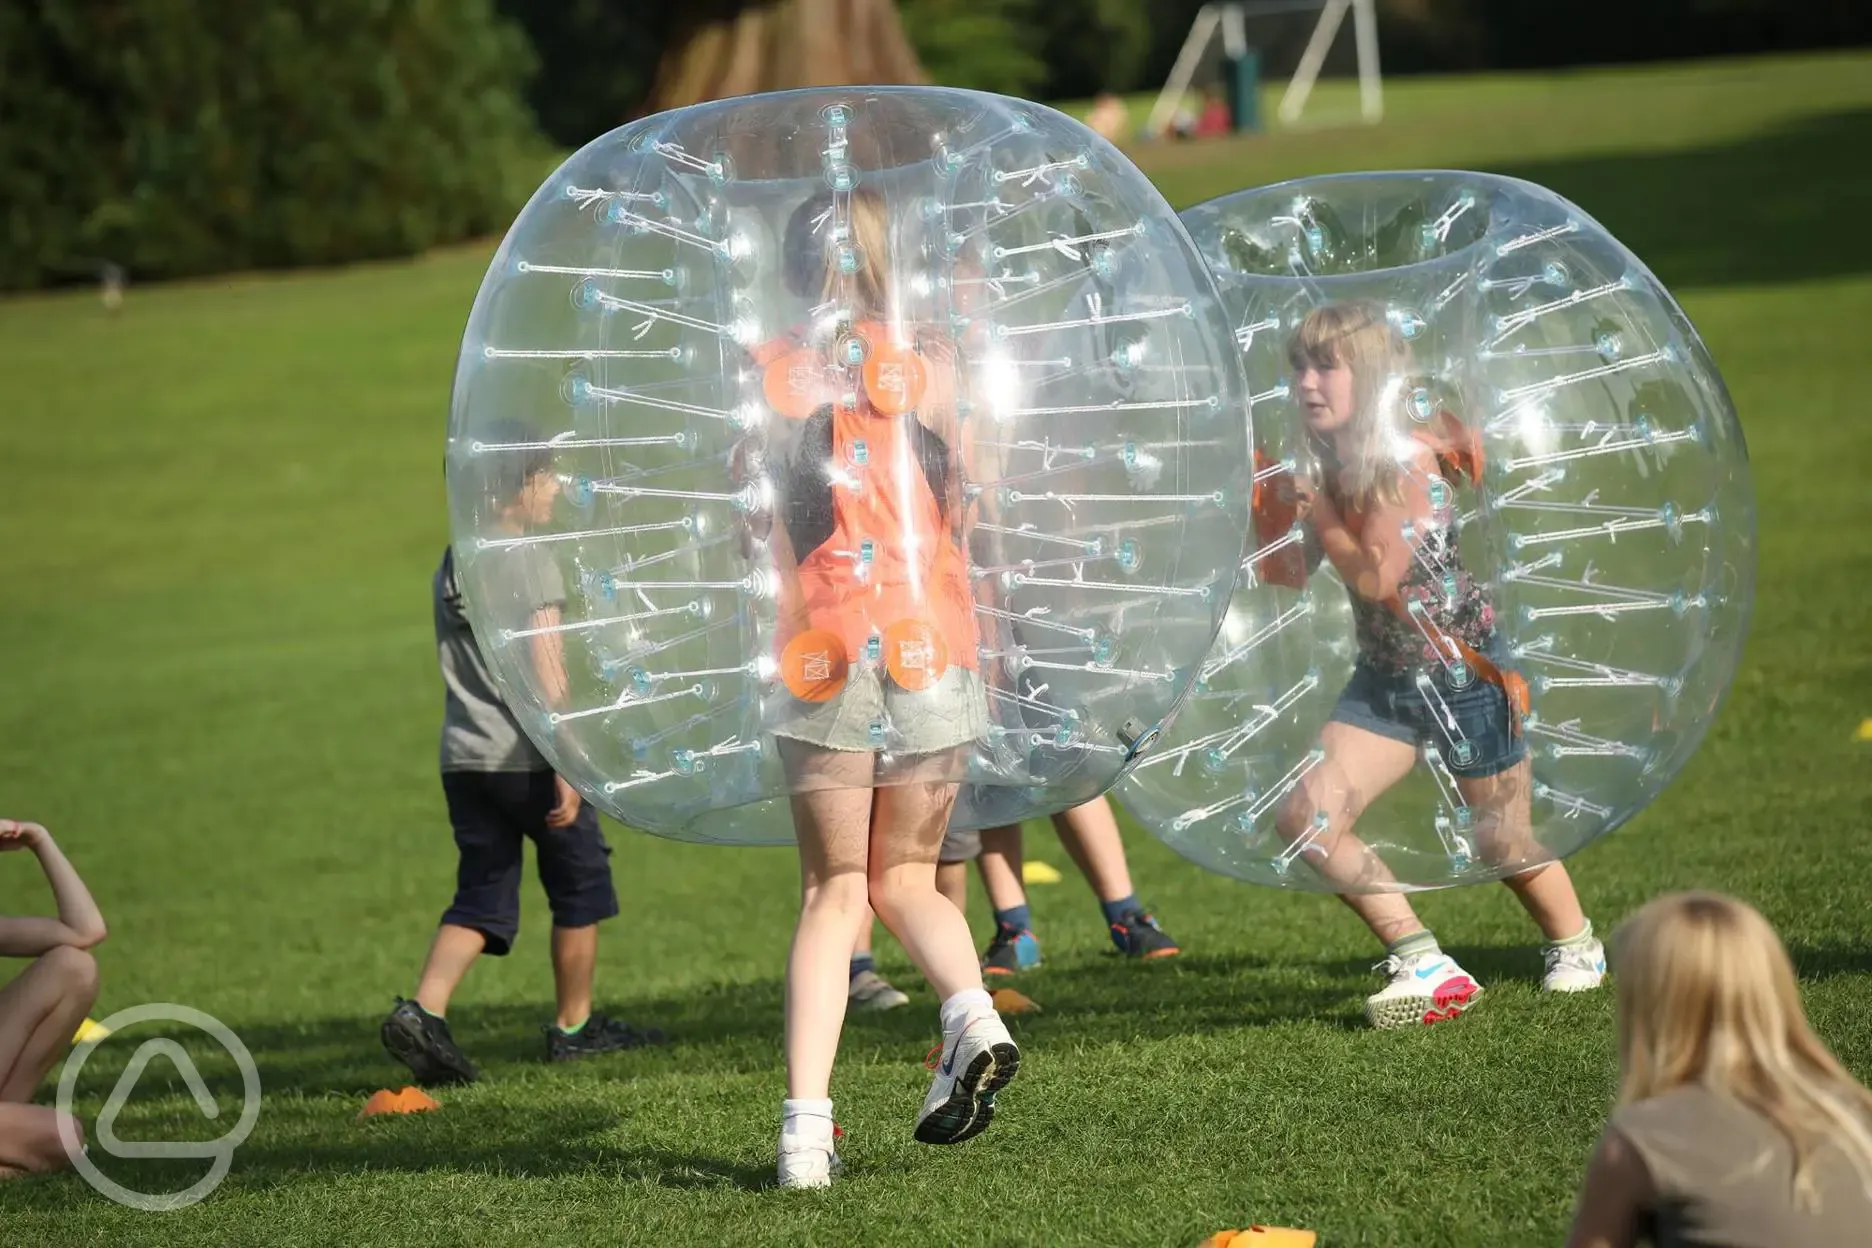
pixel 1502 547
pixel 845 438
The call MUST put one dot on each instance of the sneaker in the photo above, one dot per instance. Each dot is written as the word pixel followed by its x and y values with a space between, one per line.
pixel 1571 968
pixel 423 1042
pixel 600 1034
pixel 1012 950
pixel 1425 988
pixel 809 1160
pixel 1138 936
pixel 871 991
pixel 971 1066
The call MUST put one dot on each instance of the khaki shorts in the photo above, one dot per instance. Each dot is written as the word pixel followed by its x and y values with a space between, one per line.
pixel 872 713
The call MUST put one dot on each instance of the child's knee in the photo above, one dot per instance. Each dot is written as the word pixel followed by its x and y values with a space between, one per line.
pixel 893 889
pixel 75 970
pixel 845 893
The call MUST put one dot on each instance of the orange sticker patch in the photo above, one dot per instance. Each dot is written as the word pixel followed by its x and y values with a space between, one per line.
pixel 894 378
pixel 796 384
pixel 915 654
pixel 814 666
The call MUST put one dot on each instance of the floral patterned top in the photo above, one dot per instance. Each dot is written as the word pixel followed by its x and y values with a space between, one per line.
pixel 1453 604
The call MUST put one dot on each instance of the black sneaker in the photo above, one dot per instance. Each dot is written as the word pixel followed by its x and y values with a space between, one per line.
pixel 1137 936
pixel 599 1035
pixel 1012 951
pixel 422 1042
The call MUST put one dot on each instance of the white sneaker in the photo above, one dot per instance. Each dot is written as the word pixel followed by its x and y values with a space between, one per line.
pixel 1574 968
pixel 1425 988
pixel 809 1159
pixel 871 991
pixel 970 1067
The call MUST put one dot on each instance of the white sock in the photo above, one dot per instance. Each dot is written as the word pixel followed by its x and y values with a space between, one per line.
pixel 964 1005
pixel 808 1120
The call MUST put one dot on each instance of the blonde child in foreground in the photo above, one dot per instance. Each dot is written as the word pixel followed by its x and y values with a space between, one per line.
pixel 1735 1125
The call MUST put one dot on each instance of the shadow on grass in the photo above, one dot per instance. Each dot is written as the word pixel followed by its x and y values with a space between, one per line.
pixel 735 1029
pixel 525 1140
pixel 1780 206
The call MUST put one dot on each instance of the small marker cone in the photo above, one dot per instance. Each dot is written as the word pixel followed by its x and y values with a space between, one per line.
pixel 1262 1237
pixel 90 1029
pixel 1010 1001
pixel 1865 731
pixel 1033 871
pixel 408 1101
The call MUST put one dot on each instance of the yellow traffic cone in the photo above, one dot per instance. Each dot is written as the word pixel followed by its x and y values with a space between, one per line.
pixel 1033 871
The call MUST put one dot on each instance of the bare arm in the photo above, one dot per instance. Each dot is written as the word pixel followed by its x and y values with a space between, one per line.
pixel 79 924
pixel 1374 562
pixel 1614 1197
pixel 549 656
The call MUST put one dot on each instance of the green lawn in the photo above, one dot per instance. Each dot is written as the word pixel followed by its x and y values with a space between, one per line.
pixel 221 511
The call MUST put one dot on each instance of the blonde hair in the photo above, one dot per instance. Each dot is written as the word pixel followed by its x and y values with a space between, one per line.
pixel 1360 337
pixel 1706 997
pixel 813 247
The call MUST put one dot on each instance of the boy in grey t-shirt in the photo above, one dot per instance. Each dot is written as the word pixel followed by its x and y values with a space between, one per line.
pixel 501 792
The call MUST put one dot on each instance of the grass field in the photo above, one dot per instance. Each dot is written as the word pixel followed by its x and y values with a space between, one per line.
pixel 221 511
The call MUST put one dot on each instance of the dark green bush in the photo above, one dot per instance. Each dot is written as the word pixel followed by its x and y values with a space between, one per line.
pixel 178 137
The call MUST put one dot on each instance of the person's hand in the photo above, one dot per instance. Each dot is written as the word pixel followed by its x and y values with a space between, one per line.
pixel 1302 493
pixel 567 808
pixel 18 834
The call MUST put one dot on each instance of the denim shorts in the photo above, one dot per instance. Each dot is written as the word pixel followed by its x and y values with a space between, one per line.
pixel 1472 727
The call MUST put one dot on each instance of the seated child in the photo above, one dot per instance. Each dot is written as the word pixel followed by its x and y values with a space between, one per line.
pixel 42 1008
pixel 1735 1125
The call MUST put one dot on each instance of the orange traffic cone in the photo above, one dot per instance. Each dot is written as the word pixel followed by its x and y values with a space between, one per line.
pixel 408 1101
pixel 1262 1237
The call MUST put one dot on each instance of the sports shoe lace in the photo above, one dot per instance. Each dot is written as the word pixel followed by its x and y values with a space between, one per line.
pixel 933 1058
pixel 1391 967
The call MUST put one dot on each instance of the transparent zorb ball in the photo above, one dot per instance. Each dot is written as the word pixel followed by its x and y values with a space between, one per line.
pixel 841 439
pixel 1558 497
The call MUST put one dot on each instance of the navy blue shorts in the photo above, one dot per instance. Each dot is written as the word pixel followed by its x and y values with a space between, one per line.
pixel 494 813
pixel 1471 727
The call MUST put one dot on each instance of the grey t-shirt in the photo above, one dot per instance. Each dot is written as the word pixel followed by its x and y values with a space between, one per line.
pixel 1724 1178
pixel 479 733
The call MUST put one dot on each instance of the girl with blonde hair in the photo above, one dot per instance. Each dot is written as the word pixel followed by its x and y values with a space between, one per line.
pixel 1735 1126
pixel 878 652
pixel 1370 511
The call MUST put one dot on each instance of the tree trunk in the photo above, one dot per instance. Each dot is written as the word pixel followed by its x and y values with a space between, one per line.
pixel 720 48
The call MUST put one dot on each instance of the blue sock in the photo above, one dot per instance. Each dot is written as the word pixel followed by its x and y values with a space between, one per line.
pixel 862 962
pixel 1017 917
pixel 1115 910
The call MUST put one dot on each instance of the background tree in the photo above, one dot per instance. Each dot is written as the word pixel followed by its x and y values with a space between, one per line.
pixel 177 137
pixel 714 49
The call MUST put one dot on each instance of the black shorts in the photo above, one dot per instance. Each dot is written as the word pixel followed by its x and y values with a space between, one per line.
pixel 493 813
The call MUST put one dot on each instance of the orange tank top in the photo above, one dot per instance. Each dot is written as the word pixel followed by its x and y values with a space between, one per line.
pixel 882 578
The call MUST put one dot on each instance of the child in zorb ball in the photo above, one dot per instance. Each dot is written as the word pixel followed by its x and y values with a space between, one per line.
pixel 1431 669
pixel 877 649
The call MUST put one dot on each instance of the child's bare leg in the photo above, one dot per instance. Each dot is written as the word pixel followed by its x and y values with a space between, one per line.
pixel 1000 867
pixel 906 834
pixel 832 826
pixel 575 964
pixel 952 882
pixel 1504 834
pixel 450 955
pixel 39 1013
pixel 29 1139
pixel 1359 766
pixel 1090 834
